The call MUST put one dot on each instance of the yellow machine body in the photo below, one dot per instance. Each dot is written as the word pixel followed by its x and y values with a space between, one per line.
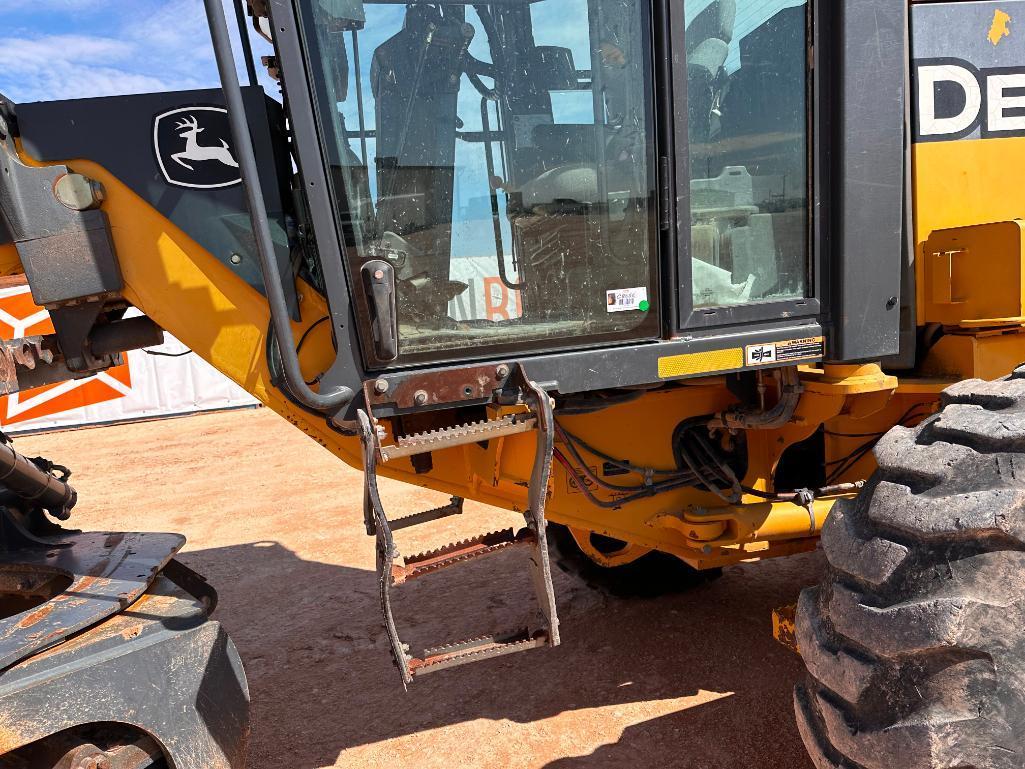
pixel 194 296
pixel 970 279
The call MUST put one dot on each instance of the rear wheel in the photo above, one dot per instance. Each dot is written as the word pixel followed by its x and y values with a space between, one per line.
pixel 915 643
pixel 616 568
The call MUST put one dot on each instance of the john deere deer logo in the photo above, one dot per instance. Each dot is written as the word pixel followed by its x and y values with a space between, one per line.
pixel 192 146
pixel 189 131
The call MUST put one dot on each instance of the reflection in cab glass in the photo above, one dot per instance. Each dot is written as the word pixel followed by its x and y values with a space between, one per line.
pixel 499 156
pixel 746 89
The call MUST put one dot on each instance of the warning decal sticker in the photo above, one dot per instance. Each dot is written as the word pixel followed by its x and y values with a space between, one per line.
pixel 784 352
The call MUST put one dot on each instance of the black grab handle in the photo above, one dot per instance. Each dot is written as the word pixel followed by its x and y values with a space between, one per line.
pixel 324 401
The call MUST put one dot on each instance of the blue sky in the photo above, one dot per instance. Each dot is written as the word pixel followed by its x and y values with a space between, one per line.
pixel 63 49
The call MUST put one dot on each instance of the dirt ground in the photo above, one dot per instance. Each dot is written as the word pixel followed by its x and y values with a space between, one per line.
pixel 274 521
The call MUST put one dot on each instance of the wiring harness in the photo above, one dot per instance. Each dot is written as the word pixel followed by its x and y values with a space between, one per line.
pixel 710 453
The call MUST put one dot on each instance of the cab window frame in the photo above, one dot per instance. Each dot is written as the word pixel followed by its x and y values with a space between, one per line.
pixel 690 318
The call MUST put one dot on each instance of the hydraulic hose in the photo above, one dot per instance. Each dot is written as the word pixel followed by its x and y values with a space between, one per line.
pixel 777 416
pixel 34 484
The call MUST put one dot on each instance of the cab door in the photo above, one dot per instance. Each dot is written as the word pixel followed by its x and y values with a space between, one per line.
pixel 493 168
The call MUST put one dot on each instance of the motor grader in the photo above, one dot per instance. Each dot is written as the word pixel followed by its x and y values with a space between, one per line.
pixel 689 283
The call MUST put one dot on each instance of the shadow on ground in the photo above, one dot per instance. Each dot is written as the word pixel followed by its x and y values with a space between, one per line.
pixel 322 681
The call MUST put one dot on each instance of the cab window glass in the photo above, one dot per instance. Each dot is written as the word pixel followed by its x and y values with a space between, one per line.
pixel 499 156
pixel 746 91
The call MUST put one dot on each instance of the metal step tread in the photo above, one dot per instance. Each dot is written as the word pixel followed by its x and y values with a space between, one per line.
pixel 459 435
pixel 455 507
pixel 476 649
pixel 393 570
pixel 431 561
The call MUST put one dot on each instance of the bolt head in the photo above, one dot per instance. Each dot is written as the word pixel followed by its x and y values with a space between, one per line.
pixel 236 259
pixel 502 371
pixel 77 192
pixel 381 386
pixel 420 398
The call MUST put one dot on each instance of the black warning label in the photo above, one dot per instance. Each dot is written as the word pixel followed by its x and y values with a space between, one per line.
pixel 768 353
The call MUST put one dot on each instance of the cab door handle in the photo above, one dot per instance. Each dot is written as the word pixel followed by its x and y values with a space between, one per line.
pixel 379 284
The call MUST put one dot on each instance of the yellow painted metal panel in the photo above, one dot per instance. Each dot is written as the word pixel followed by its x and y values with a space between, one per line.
pixel 208 307
pixel 975 273
pixel 960 184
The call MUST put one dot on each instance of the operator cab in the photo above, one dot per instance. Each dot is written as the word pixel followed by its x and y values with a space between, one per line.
pixel 500 167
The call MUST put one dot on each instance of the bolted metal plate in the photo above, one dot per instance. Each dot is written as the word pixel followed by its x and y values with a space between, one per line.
pixel 445 387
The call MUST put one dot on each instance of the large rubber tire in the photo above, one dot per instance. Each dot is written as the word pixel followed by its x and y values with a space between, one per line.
pixel 650 576
pixel 915 643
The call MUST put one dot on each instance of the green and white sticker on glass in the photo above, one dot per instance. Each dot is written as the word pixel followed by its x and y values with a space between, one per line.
pixel 626 299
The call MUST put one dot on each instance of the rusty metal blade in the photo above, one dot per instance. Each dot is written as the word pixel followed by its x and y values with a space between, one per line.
pixel 107 571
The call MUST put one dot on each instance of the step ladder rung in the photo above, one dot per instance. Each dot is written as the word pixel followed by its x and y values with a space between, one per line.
pixel 475 650
pixel 455 507
pixel 459 435
pixel 420 565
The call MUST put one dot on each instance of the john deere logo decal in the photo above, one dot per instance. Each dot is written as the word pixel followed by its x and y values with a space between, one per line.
pixel 193 148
